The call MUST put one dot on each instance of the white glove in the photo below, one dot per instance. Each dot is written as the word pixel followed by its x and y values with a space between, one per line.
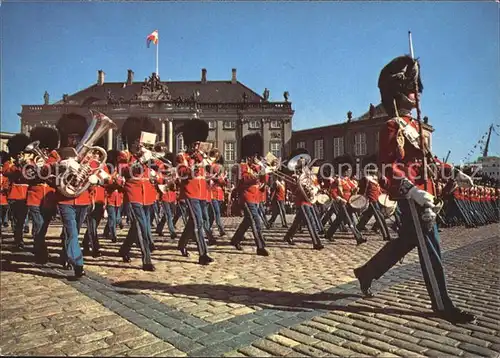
pixel 463 180
pixel 152 174
pixel 429 216
pixel 40 163
pixel 146 156
pixel 70 163
pixel 103 175
pixel 93 179
pixel 421 197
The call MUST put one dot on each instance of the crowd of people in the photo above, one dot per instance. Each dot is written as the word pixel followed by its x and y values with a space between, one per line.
pixel 60 174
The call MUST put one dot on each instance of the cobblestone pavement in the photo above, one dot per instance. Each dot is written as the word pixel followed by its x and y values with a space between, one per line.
pixel 296 302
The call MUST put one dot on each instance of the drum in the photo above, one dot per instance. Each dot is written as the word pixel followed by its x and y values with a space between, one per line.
pixel 358 202
pixel 387 206
pixel 323 199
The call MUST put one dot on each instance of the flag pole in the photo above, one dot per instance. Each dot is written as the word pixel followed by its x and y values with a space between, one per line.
pixel 157 45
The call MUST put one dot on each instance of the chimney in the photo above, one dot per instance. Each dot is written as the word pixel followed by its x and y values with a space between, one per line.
pixel 203 75
pixel 130 77
pixel 100 77
pixel 233 78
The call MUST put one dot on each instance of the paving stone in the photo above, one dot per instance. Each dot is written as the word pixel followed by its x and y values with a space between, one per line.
pixel 85 349
pixel 171 353
pixel 297 336
pixel 330 338
pixel 387 355
pixel 313 351
pixel 305 329
pixel 150 350
pixel 402 336
pixel 212 338
pixel 284 341
pixel 220 326
pixel 481 350
pixel 192 333
pixel 243 327
pixel 426 328
pixel 486 337
pixel 407 346
pixel 263 331
pixel 319 326
pixel 271 347
pixel 111 351
pixel 95 336
pixel 183 343
pixel 348 335
pixel 361 348
pixel 252 351
pixel 468 339
pixel 141 341
pixel 444 348
pixel 18 347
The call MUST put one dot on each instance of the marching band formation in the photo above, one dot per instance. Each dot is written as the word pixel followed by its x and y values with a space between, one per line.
pixel 64 173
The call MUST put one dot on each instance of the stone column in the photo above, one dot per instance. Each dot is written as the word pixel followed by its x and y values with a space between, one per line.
pixel 170 135
pixel 163 128
pixel 110 139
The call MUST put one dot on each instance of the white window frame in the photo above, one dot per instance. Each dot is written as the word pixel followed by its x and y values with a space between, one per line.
pixel 226 151
pixel 254 124
pixel 338 147
pixel 277 150
pixel 212 124
pixel 359 143
pixel 301 144
pixel 319 150
pixel 275 124
pixel 179 143
pixel 229 125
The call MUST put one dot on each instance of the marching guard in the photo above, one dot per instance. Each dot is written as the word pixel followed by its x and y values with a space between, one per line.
pixel 250 177
pixel 400 151
pixel 4 192
pixel 217 184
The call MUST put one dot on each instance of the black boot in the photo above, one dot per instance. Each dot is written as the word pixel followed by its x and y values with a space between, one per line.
pixel 205 260
pixel 262 252
pixel 148 267
pixel 289 241
pixel 79 272
pixel 364 283
pixel 184 252
pixel 318 247
pixel 456 315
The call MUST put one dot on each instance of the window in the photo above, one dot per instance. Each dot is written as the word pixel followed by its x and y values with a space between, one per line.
pixel 230 151
pixel 212 124
pixel 275 148
pixel 318 149
pixel 338 146
pixel 275 124
pixel 229 125
pixel 254 124
pixel 179 143
pixel 360 143
pixel 301 144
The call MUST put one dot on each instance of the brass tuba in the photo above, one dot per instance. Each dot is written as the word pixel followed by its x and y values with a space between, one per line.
pixel 71 183
pixel 40 155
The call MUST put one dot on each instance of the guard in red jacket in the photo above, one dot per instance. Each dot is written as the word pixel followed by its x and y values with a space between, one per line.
pixel 4 191
pixel 168 192
pixel 400 155
pixel 13 170
pixel 370 188
pixel 72 128
pixel 191 167
pixel 139 188
pixel 41 200
pixel 249 179
pixel 278 196
pixel 114 194
pixel 217 184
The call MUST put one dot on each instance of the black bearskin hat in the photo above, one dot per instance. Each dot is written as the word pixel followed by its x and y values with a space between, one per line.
pixel 112 156
pixel 132 128
pixel 251 144
pixel 48 137
pixel 17 143
pixel 298 151
pixel 171 157
pixel 396 82
pixel 194 130
pixel 69 124
pixel 4 156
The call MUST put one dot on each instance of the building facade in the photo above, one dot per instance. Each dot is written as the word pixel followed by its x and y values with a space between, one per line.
pixel 231 109
pixel 4 138
pixel 356 138
pixel 489 165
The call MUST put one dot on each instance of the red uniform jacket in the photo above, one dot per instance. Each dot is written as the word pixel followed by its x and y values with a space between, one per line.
pixel 4 189
pixel 371 188
pixel 249 184
pixel 218 184
pixel 299 198
pixel 342 188
pixel 114 188
pixel 193 184
pixel 19 184
pixel 279 191
pixel 401 161
pixel 51 164
pixel 138 186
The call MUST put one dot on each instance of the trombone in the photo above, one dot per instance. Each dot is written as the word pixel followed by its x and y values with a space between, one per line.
pixel 270 163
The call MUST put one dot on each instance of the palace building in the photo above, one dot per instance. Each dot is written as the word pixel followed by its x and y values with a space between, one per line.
pixel 231 109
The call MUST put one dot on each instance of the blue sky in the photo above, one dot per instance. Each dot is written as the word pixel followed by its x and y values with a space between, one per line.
pixel 327 55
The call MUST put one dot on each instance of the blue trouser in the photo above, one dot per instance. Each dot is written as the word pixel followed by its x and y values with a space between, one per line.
pixel 407 240
pixel 206 218
pixel 251 219
pixel 215 215
pixel 262 213
pixel 19 212
pixel 113 217
pixel 94 218
pixel 317 216
pixel 327 215
pixel 4 210
pixel 155 213
pixel 182 211
pixel 139 232
pixel 168 217
pixel 345 214
pixel 72 217
pixel 305 215
pixel 126 211
pixel 374 210
pixel 278 208
pixel 194 227
pixel 40 217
